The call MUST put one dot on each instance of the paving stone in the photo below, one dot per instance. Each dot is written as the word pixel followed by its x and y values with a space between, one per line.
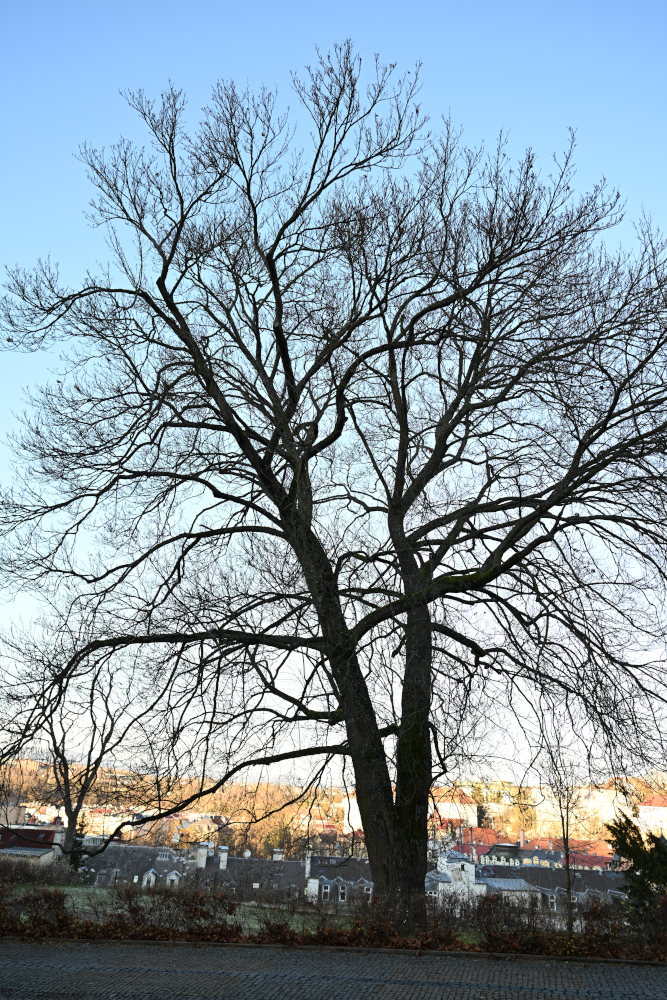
pixel 90 971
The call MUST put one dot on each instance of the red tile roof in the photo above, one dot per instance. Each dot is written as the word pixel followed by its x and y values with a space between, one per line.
pixel 656 800
pixel 483 836
pixel 587 847
pixel 453 795
pixel 446 821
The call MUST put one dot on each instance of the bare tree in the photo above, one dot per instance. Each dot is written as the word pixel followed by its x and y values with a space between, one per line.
pixel 561 779
pixel 101 718
pixel 355 428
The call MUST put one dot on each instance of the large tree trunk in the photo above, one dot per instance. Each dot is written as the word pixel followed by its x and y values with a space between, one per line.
pixel 395 825
pixel 395 828
pixel 72 814
pixel 413 764
pixel 70 834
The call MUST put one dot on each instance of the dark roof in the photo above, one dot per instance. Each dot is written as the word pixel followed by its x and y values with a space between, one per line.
pixel 268 874
pixel 433 876
pixel 122 862
pixel 500 884
pixel 245 873
pixel 26 837
pixel 24 852
pixel 348 868
pixel 551 879
pixel 499 849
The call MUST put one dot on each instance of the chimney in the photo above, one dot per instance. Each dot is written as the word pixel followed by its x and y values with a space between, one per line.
pixel 201 853
pixel 309 855
pixel 222 858
pixel 522 838
pixel 277 854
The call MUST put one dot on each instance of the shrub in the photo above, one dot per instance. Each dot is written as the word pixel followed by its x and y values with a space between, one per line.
pixel 19 871
pixel 193 913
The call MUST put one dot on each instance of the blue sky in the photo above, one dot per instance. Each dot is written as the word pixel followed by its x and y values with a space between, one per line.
pixel 531 68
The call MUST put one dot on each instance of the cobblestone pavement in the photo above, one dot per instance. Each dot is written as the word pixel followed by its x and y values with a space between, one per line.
pixel 88 971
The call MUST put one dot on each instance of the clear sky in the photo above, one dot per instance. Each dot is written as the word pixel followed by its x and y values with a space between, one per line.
pixel 531 68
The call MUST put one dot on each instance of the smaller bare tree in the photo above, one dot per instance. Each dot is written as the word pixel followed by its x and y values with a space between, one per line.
pixel 87 732
pixel 561 779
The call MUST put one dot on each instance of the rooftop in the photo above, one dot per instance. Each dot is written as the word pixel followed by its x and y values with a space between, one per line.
pixel 656 800
pixel 453 795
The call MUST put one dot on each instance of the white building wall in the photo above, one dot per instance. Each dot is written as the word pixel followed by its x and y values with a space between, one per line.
pixel 592 809
pixel 462 874
pixel 351 815
pixel 653 819
pixel 450 808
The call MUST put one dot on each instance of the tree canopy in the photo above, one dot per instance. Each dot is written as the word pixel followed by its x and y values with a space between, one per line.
pixel 643 860
pixel 360 431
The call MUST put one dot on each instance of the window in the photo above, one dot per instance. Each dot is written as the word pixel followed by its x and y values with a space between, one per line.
pixel 432 893
pixel 552 902
pixel 342 893
pixel 325 892
pixel 135 879
pixel 367 892
pixel 255 885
